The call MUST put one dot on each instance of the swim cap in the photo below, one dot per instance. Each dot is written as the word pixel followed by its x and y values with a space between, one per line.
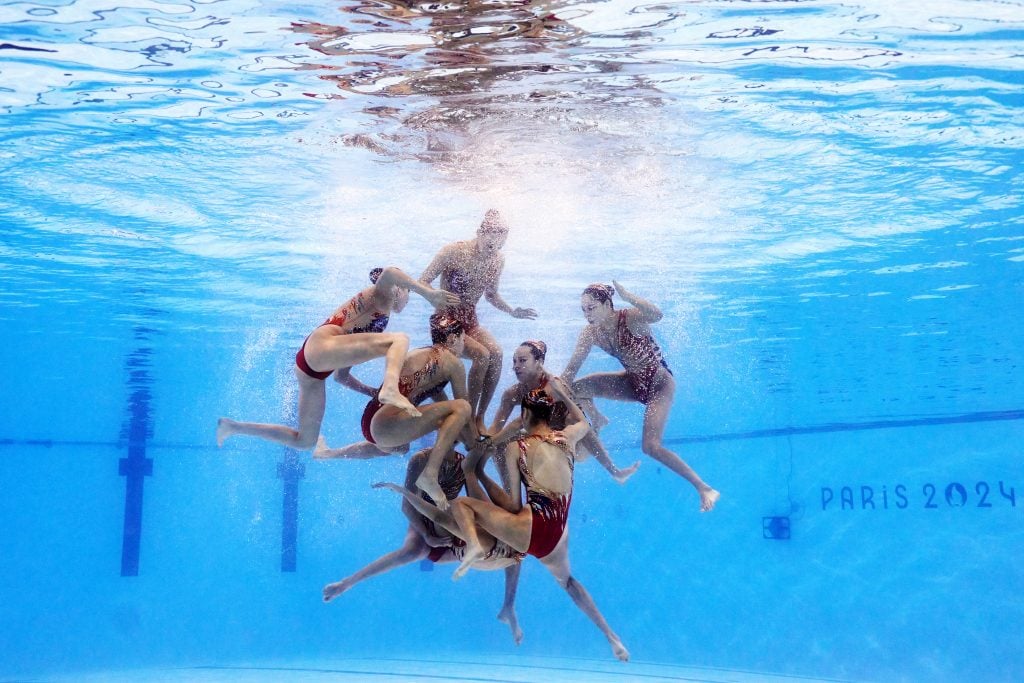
pixel 443 326
pixel 375 274
pixel 538 349
pixel 493 222
pixel 539 403
pixel 601 292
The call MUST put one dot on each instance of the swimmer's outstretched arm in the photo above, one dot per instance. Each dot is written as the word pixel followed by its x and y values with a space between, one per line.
pixel 498 495
pixel 579 427
pixel 457 380
pixel 345 378
pixel 508 403
pixel 507 433
pixel 494 298
pixel 438 298
pixel 514 478
pixel 437 265
pixel 649 313
pixel 579 354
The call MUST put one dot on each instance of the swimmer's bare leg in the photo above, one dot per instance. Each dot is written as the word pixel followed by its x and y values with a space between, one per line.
pixel 361 450
pixel 613 385
pixel 558 564
pixel 598 421
pixel 450 427
pixel 389 394
pixel 466 519
pixel 592 443
pixel 479 359
pixel 507 615
pixel 491 376
pixel 442 518
pixel 312 401
pixel 655 419
pixel 413 549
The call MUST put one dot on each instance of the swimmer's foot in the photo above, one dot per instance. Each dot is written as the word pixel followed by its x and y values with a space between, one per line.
pixel 508 616
pixel 393 397
pixel 225 429
pixel 708 498
pixel 624 474
pixel 618 649
pixel 333 590
pixel 473 553
pixel 428 484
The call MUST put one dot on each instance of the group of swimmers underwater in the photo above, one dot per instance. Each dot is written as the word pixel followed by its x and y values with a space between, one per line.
pixel 456 511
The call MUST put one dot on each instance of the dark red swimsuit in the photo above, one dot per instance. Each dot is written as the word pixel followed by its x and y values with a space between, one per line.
pixel 377 324
pixel 407 386
pixel 550 510
pixel 640 357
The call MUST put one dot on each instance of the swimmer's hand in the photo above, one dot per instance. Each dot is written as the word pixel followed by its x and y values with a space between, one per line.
pixel 649 313
pixel 524 313
pixel 442 298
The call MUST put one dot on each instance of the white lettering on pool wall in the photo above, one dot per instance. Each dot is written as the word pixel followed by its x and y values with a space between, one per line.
pixel 927 496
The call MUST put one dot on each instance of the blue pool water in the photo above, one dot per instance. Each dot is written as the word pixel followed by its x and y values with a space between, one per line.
pixel 825 199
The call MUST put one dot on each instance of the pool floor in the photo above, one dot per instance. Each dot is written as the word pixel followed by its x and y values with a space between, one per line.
pixel 470 670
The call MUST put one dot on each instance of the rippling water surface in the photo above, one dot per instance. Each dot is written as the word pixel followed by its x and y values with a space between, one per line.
pixel 789 174
pixel 825 197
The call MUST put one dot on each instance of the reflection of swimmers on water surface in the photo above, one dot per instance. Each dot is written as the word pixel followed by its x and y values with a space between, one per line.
pixel 646 378
pixel 528 366
pixel 435 536
pixel 354 334
pixel 424 373
pixel 472 269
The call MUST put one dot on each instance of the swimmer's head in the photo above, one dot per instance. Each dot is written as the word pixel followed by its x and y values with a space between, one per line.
pixel 528 360
pixel 537 406
pixel 538 349
pixel 596 302
pixel 447 331
pixel 492 233
pixel 492 223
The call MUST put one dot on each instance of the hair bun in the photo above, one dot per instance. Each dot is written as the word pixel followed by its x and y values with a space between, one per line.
pixel 600 291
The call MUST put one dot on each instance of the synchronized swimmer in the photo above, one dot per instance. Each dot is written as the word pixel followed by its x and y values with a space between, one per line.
pixel 490 527
pixel 354 334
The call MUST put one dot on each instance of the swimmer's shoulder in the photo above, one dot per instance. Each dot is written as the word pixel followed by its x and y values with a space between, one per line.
pixel 451 363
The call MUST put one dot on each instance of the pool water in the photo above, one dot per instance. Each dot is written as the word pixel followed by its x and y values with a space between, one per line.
pixel 823 198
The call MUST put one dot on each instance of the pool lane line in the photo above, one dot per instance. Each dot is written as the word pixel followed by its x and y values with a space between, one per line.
pixel 985 416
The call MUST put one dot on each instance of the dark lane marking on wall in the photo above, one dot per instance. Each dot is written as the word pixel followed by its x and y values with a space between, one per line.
pixel 136 432
pixel 995 416
pixel 990 416
pixel 291 470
